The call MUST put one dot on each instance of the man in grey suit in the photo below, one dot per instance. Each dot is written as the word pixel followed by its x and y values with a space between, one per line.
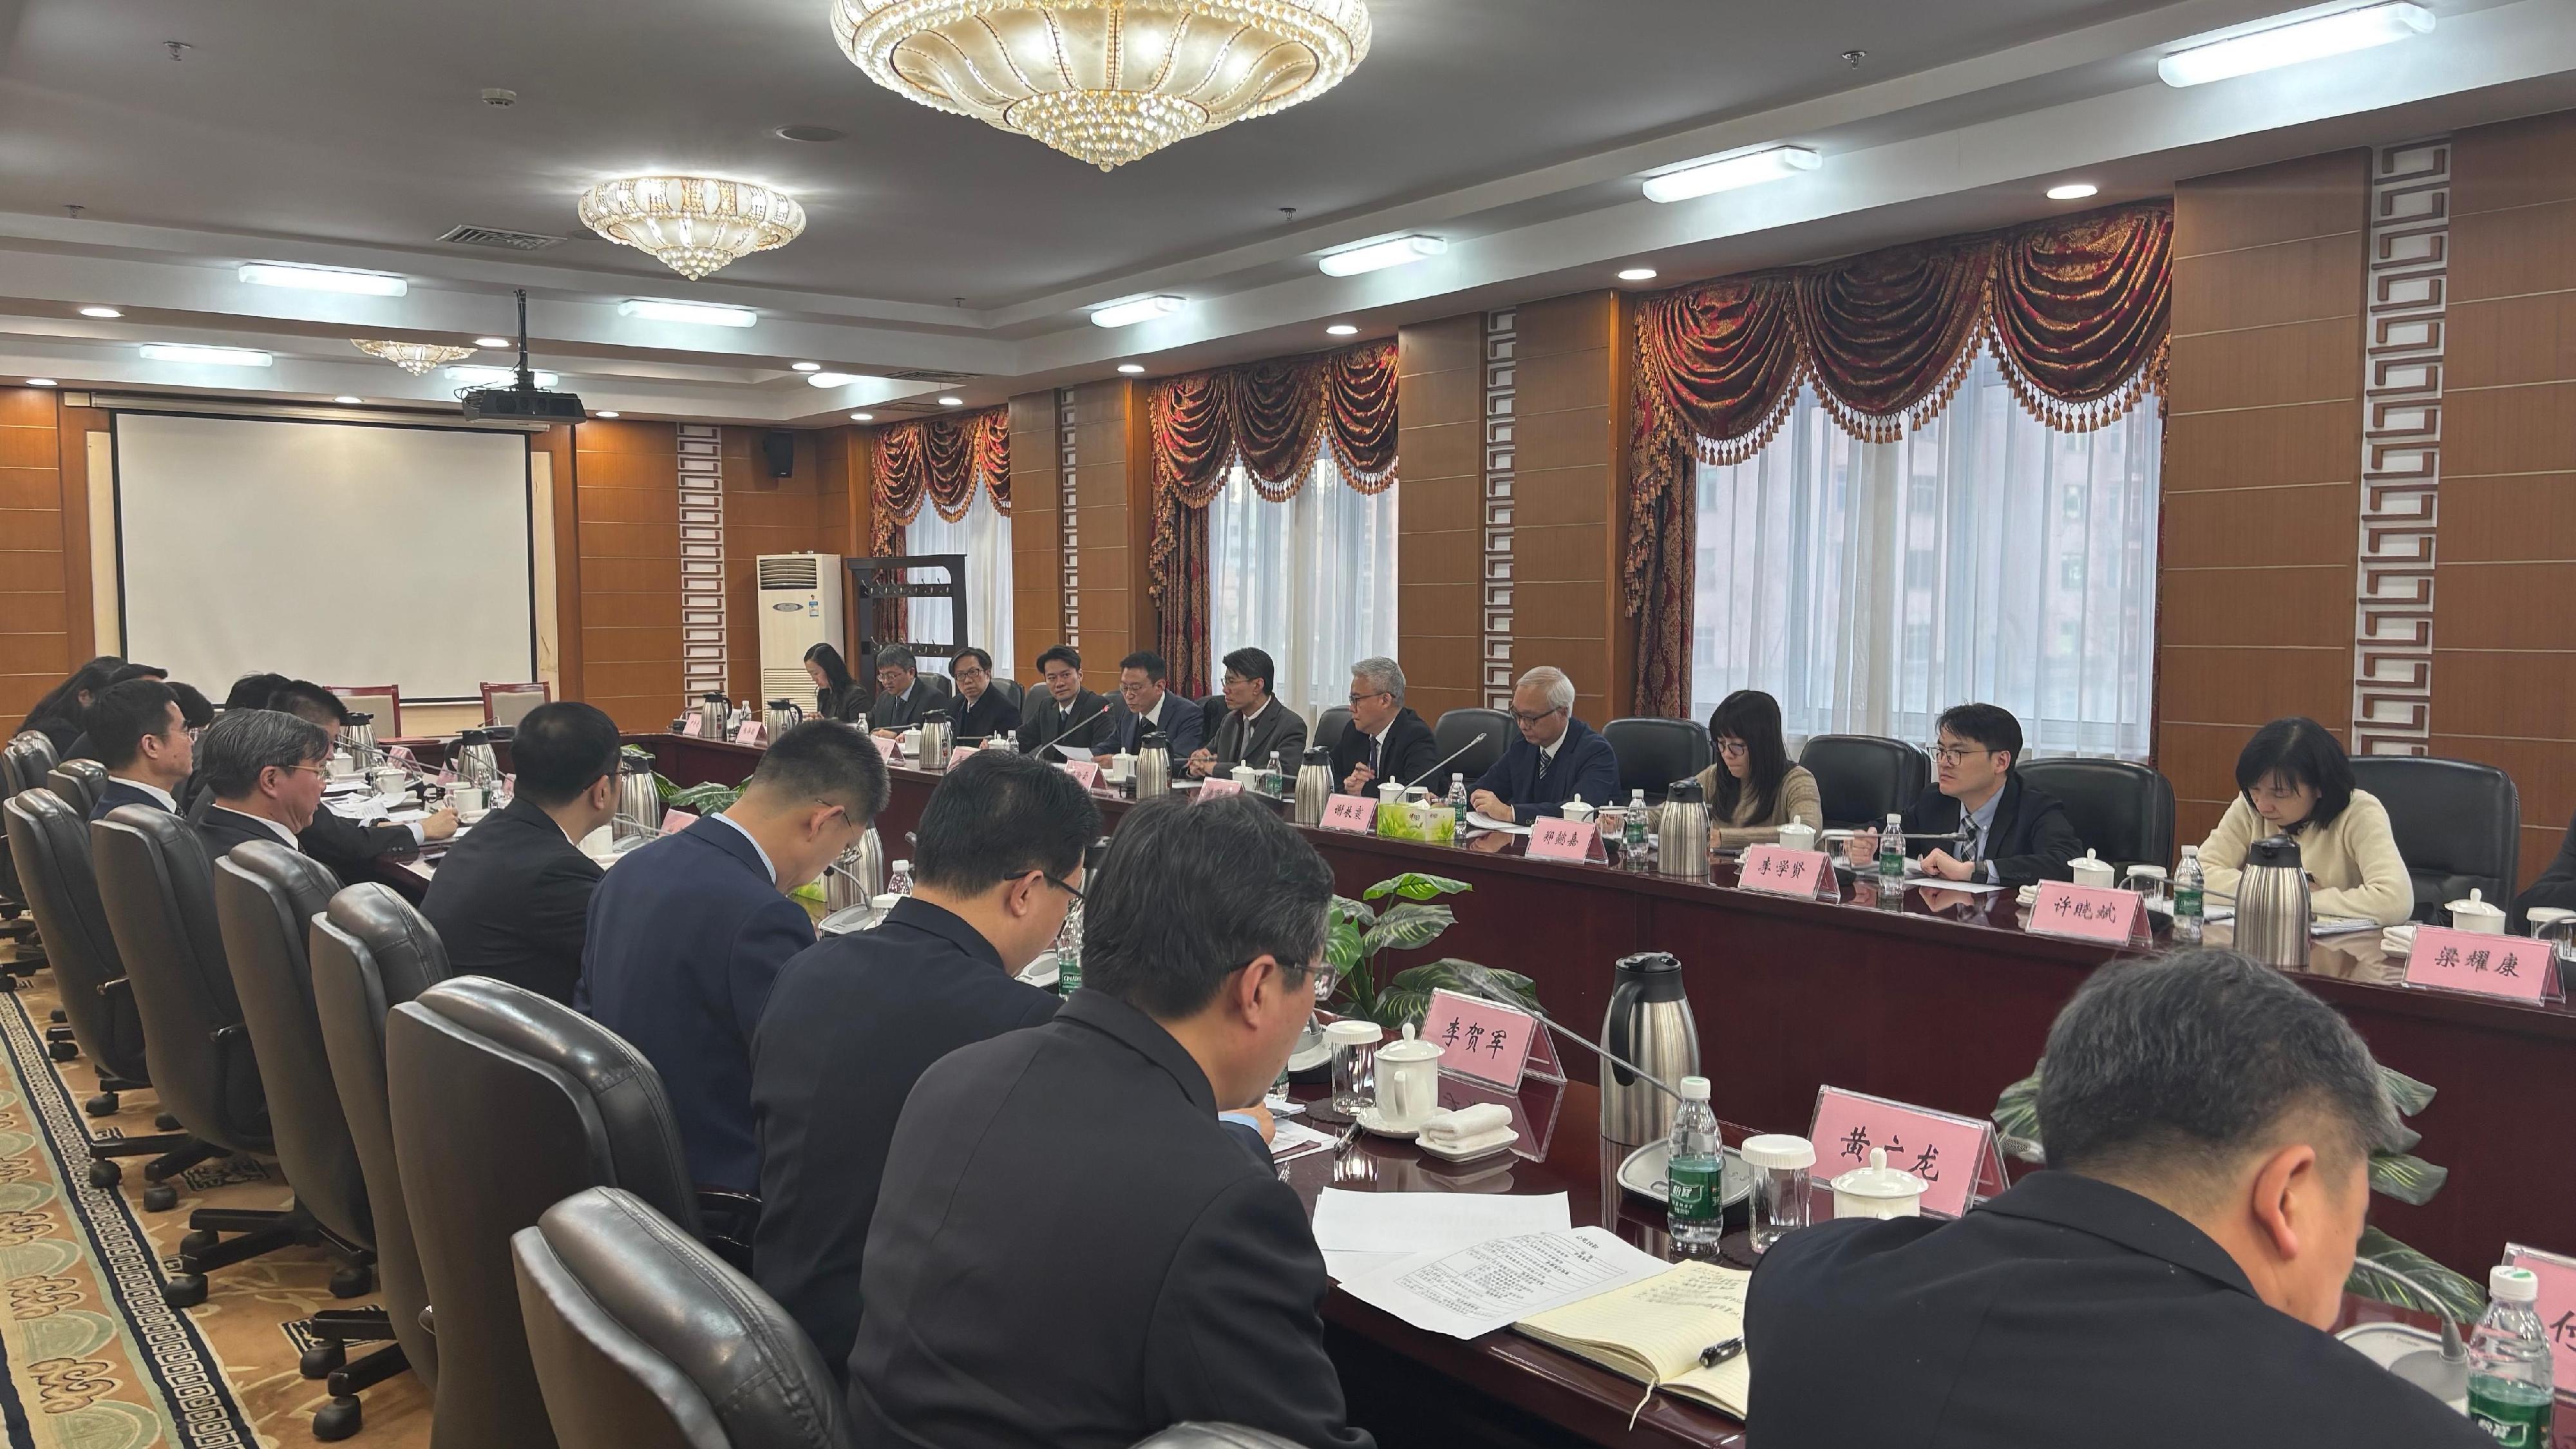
pixel 1256 724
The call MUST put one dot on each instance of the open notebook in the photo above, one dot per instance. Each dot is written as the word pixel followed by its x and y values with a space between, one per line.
pixel 1652 1331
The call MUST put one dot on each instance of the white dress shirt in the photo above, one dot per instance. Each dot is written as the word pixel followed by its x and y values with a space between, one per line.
pixel 767 866
pixel 148 788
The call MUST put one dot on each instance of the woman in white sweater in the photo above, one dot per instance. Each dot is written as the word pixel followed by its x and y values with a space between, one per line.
pixel 2293 779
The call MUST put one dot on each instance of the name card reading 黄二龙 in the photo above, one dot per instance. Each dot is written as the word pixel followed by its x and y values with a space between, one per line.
pixel 1955 1156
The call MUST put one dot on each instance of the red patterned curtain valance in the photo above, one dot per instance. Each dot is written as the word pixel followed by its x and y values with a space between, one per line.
pixel 943 460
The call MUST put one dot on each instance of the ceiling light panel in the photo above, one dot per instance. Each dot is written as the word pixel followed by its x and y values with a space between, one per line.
pixel 2336 34
pixel 1140 309
pixel 497 377
pixel 205 356
pixel 323 279
pixel 1702 177
pixel 1377 256
pixel 695 314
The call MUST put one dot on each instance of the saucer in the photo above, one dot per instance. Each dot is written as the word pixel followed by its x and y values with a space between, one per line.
pixel 1370 1122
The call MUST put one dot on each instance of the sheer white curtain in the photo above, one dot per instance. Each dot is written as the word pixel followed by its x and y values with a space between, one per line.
pixel 1869 586
pixel 1311 581
pixel 984 536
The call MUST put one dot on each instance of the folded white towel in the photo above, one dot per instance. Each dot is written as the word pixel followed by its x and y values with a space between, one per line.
pixel 2397 940
pixel 1449 1129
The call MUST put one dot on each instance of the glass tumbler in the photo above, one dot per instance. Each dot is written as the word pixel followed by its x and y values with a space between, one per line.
pixel 1780 1167
pixel 1354 1064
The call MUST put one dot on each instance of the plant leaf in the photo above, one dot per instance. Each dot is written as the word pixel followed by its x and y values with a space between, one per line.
pixel 1444 974
pixel 1342 944
pixel 2016 1118
pixel 1416 886
pixel 2458 1297
pixel 2407 1178
pixel 707 799
pixel 2409 1095
pixel 1344 906
pixel 1407 926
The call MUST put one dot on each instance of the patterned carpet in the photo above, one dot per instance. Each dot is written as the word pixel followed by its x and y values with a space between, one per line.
pixel 94 1358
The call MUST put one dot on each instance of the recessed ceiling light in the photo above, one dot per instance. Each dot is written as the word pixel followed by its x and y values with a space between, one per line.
pixel 40 382
pixel 605 413
pixel 2345 30
pixel 497 376
pixel 205 356
pixel 100 312
pixel 699 314
pixel 1140 309
pixel 346 400
pixel 1702 177
pixel 2072 191
pixel 863 417
pixel 1392 253
pixel 491 341
pixel 806 366
pixel 1131 368
pixel 323 279
pixel 1341 329
pixel 950 402
pixel 1637 274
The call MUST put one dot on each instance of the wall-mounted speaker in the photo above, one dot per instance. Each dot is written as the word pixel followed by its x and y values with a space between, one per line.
pixel 778 447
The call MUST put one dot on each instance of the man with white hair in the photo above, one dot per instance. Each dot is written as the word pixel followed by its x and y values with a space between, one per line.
pixel 1556 759
pixel 1385 741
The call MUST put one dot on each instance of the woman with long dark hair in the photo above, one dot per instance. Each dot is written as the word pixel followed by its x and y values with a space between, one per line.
pixel 64 711
pixel 1753 789
pixel 2294 779
pixel 836 696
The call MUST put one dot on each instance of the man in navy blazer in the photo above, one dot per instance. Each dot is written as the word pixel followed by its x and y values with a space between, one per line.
pixel 141 735
pixel 1556 758
pixel 1144 702
pixel 687 934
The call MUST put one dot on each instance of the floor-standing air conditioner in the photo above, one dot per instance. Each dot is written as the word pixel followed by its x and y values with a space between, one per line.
pixel 800 607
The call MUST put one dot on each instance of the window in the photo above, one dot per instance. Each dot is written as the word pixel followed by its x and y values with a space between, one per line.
pixel 1311 581
pixel 1869 586
pixel 984 536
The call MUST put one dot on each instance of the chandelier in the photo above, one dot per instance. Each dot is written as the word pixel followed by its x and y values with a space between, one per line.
pixel 694 224
pixel 1105 80
pixel 412 357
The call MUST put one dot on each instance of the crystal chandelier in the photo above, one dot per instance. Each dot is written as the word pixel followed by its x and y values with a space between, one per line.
pixel 412 357
pixel 694 224
pixel 1105 80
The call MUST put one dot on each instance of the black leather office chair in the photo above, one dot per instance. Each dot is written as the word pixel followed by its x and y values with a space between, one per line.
pixel 266 897
pixel 1329 726
pixel 51 841
pixel 1011 689
pixel 1863 779
pixel 24 762
pixel 159 891
pixel 504 1104
pixel 643 1339
pixel 2457 823
pixel 1214 1436
pixel 1459 726
pixel 1653 753
pixel 79 782
pixel 1211 714
pixel 2122 812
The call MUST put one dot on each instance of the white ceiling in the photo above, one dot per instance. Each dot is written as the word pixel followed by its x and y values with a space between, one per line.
pixel 352 134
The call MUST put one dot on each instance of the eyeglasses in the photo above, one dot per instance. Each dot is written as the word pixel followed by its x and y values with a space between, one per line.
pixel 1068 888
pixel 1372 694
pixel 322 770
pixel 1733 749
pixel 1525 717
pixel 1954 754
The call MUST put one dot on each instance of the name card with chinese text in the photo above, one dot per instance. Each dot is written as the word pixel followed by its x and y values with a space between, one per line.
pixel 402 754
pixel 675 821
pixel 1215 785
pixel 1354 813
pixel 2089 913
pixel 694 725
pixel 749 734
pixel 1084 772
pixel 1553 837
pixel 1779 871
pixel 960 755
pixel 446 776
pixel 2516 967
pixel 1955 1156
pixel 2557 1275
pixel 1479 1038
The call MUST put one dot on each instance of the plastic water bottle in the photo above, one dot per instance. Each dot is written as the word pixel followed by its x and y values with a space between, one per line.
pixel 1068 953
pixel 1274 780
pixel 2187 903
pixel 1458 806
pixel 1891 863
pixel 2509 1384
pixel 899 878
pixel 1697 1217
pixel 1633 832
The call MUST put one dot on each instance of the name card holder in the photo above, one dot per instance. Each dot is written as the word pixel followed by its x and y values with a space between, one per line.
pixel 960 755
pixel 693 726
pixel 1776 870
pixel 1215 785
pixel 1356 814
pixel 2089 913
pixel 750 733
pixel 1957 1157
pixel 402 755
pixel 1553 837
pixel 2483 963
pixel 1480 1038
pixel 675 821
pixel 1084 772
pixel 2557 1275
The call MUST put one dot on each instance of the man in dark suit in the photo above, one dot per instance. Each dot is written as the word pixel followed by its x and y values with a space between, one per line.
pixel 2168 1280
pixel 2007 832
pixel 1556 759
pixel 981 710
pixel 1385 741
pixel 1256 725
pixel 1143 703
pixel 904 694
pixel 344 845
pixel 142 738
pixel 687 934
pixel 512 898
pixel 1066 713
pixel 262 770
pixel 2556 885
pixel 858 1018
pixel 1172 1276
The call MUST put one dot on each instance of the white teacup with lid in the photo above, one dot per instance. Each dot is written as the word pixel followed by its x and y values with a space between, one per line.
pixel 1576 811
pixel 2476 914
pixel 1408 1082
pixel 1797 835
pixel 1247 776
pixel 2092 870
pixel 1878 1191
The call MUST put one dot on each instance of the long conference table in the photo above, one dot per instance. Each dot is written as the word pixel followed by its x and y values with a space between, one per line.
pixel 1941 1007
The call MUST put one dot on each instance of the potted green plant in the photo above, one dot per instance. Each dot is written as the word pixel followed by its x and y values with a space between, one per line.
pixel 1410 922
pixel 706 799
pixel 2398 1173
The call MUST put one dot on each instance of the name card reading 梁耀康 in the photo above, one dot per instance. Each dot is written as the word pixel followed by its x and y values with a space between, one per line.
pixel 2089 913
pixel 2483 962
pixel 1480 1038
pixel 1084 772
pixel 1777 870
pixel 749 734
pixel 675 821
pixel 1553 837
pixel 2557 1275
pixel 1215 785
pixel 1955 1156
pixel 1354 813
pixel 960 755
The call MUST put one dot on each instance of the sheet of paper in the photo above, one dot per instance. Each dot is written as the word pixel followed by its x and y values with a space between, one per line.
pixel 1935 883
pixel 1346 1265
pixel 2340 925
pixel 1295 1139
pixel 1479 820
pixel 1472 1291
pixel 1422 1222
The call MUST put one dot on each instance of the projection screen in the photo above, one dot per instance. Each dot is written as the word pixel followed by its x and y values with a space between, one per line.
pixel 342 553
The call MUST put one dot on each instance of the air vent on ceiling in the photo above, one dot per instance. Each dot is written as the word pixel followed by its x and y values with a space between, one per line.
pixel 493 236
pixel 932 374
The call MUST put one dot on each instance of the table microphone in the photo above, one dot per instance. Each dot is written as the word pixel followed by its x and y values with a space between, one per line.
pixel 1482 982
pixel 1453 754
pixel 2442 1372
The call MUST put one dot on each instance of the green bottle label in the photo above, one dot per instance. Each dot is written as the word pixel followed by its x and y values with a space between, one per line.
pixel 2187 900
pixel 1068 973
pixel 2515 1415
pixel 1696 1191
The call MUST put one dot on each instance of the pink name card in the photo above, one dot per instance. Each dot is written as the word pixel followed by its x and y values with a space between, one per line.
pixel 960 755
pixel 403 753
pixel 1553 837
pixel 1084 773
pixel 1354 813
pixel 2557 1275
pixel 2087 913
pixel 693 725
pixel 1215 785
pixel 2517 967
pixel 446 776
pixel 675 821
pixel 1955 1156
pixel 1479 1038
pixel 749 734
pixel 1779 871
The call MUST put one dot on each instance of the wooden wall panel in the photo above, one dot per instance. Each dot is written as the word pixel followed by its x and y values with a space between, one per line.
pixel 1113 481
pixel 1569 523
pixel 36 599
pixel 1439 524
pixel 629 559
pixel 1037 565
pixel 762 515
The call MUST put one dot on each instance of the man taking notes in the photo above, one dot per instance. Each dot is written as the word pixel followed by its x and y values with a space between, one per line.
pixel 1556 758
pixel 263 771
pixel 1385 741
pixel 903 696
pixel 2011 833
pixel 142 738
pixel 1069 1251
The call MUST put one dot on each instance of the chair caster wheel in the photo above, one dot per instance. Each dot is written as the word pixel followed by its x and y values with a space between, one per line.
pixel 338 1419
pixel 102 1105
pixel 160 1198
pixel 63 1051
pixel 166 1123
pixel 323 1359
pixel 10 983
pixel 356 1282
pixel 105 1174
pixel 200 1241
pixel 187 1290
pixel 58 1018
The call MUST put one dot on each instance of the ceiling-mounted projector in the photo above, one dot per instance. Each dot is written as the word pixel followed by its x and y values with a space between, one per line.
pixel 522 401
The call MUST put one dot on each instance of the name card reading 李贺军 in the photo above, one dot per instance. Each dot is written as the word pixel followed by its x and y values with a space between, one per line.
pixel 1355 813
pixel 1479 1038
pixel 1084 773
pixel 1955 1156
pixel 1553 837
pixel 1778 870
pixel 1215 785
pixel 749 734
pixel 675 821
pixel 2557 1275
pixel 960 755
pixel 2481 961
pixel 2088 913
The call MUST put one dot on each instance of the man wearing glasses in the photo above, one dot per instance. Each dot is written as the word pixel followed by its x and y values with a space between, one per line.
pixel 857 1019
pixel 1980 821
pixel 1143 704
pixel 262 770
pixel 1556 759
pixel 143 739
pixel 1385 741
pixel 903 696
pixel 686 936
pixel 1256 725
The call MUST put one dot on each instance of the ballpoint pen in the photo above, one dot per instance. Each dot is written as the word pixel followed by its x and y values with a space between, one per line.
pixel 1718 1353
